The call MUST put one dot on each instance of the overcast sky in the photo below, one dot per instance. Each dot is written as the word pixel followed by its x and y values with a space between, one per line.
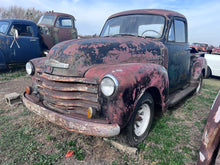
pixel 203 15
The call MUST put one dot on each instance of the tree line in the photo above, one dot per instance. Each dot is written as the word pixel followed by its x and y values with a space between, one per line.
pixel 20 13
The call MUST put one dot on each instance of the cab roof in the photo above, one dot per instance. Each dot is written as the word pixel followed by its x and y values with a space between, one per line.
pixel 58 14
pixel 18 21
pixel 163 12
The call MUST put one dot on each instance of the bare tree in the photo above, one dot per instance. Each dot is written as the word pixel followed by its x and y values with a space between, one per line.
pixel 21 13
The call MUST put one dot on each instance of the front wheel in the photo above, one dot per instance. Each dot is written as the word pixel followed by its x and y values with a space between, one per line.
pixel 141 120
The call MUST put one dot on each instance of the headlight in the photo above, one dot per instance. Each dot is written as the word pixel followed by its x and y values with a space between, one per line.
pixel 29 68
pixel 109 85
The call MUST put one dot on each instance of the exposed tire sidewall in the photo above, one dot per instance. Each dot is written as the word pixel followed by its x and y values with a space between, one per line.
pixel 209 72
pixel 134 140
pixel 199 86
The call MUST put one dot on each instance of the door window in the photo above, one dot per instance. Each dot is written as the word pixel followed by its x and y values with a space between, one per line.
pixel 23 30
pixel 177 31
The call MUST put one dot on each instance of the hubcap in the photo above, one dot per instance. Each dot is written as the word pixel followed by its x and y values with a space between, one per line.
pixel 142 120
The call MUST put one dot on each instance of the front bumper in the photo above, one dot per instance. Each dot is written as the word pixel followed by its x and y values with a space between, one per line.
pixel 84 126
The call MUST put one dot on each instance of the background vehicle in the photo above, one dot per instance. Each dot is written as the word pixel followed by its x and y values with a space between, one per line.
pixel 213 67
pixel 56 27
pixel 202 47
pixel 31 42
pixel 216 50
pixel 141 63
pixel 20 41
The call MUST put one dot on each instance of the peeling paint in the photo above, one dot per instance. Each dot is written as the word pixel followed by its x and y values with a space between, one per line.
pixel 202 157
pixel 68 80
pixel 211 136
pixel 217 115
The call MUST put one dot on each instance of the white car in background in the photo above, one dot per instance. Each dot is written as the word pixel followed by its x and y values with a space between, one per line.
pixel 213 64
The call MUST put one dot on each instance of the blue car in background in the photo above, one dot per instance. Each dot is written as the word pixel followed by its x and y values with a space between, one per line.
pixel 20 41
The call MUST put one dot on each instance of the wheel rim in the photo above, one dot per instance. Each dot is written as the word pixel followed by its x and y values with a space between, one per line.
pixel 142 120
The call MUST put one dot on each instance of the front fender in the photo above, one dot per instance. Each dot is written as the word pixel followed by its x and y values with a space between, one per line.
pixel 134 79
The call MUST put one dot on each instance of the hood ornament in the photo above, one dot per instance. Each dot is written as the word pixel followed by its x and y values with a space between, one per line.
pixel 56 64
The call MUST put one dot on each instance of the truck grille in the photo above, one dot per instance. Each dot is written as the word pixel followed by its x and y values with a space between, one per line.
pixel 68 94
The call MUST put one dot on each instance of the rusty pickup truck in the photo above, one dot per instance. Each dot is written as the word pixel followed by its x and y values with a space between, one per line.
pixel 57 27
pixel 141 63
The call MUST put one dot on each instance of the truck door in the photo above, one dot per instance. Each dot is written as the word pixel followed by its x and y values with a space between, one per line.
pixel 178 54
pixel 64 29
pixel 26 46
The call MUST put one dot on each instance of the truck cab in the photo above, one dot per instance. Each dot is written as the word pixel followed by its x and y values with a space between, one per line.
pixel 141 63
pixel 19 41
pixel 57 27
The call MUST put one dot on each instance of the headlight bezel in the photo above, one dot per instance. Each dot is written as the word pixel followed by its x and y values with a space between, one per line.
pixel 30 68
pixel 114 81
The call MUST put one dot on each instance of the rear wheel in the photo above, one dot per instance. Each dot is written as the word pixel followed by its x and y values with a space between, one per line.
pixel 141 120
pixel 209 72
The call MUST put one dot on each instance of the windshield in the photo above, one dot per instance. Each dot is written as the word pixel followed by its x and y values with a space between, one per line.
pixel 3 27
pixel 138 25
pixel 47 20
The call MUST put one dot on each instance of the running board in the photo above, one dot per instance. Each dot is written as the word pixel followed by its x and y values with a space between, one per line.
pixel 176 97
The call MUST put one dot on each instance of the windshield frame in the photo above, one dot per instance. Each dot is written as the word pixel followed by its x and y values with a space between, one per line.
pixel 6 30
pixel 138 14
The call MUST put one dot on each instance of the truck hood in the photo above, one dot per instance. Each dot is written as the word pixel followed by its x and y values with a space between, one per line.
pixel 79 55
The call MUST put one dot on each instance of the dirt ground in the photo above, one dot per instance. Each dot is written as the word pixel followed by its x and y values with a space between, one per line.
pixel 97 150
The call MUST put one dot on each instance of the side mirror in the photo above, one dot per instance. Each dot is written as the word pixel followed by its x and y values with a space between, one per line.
pixel 16 33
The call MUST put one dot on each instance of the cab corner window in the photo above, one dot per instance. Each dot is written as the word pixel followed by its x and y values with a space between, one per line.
pixel 64 22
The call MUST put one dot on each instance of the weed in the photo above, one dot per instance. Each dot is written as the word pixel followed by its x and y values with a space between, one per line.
pixel 171 140
pixel 115 162
pixel 141 146
pixel 79 154
pixel 17 71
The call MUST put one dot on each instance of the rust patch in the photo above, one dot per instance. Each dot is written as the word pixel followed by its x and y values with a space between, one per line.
pixel 211 135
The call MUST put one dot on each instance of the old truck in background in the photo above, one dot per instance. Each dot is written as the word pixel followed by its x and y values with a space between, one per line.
pixel 57 27
pixel 216 50
pixel 140 64
pixel 202 47
pixel 22 40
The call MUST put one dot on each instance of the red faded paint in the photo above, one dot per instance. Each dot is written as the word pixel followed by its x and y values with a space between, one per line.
pixel 216 50
pixel 141 77
pixel 211 135
pixel 197 67
pixel 79 124
pixel 82 54
pixel 162 12
pixel 68 81
pixel 53 31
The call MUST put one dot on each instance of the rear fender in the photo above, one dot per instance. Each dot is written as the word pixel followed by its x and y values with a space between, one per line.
pixel 134 80
pixel 199 67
